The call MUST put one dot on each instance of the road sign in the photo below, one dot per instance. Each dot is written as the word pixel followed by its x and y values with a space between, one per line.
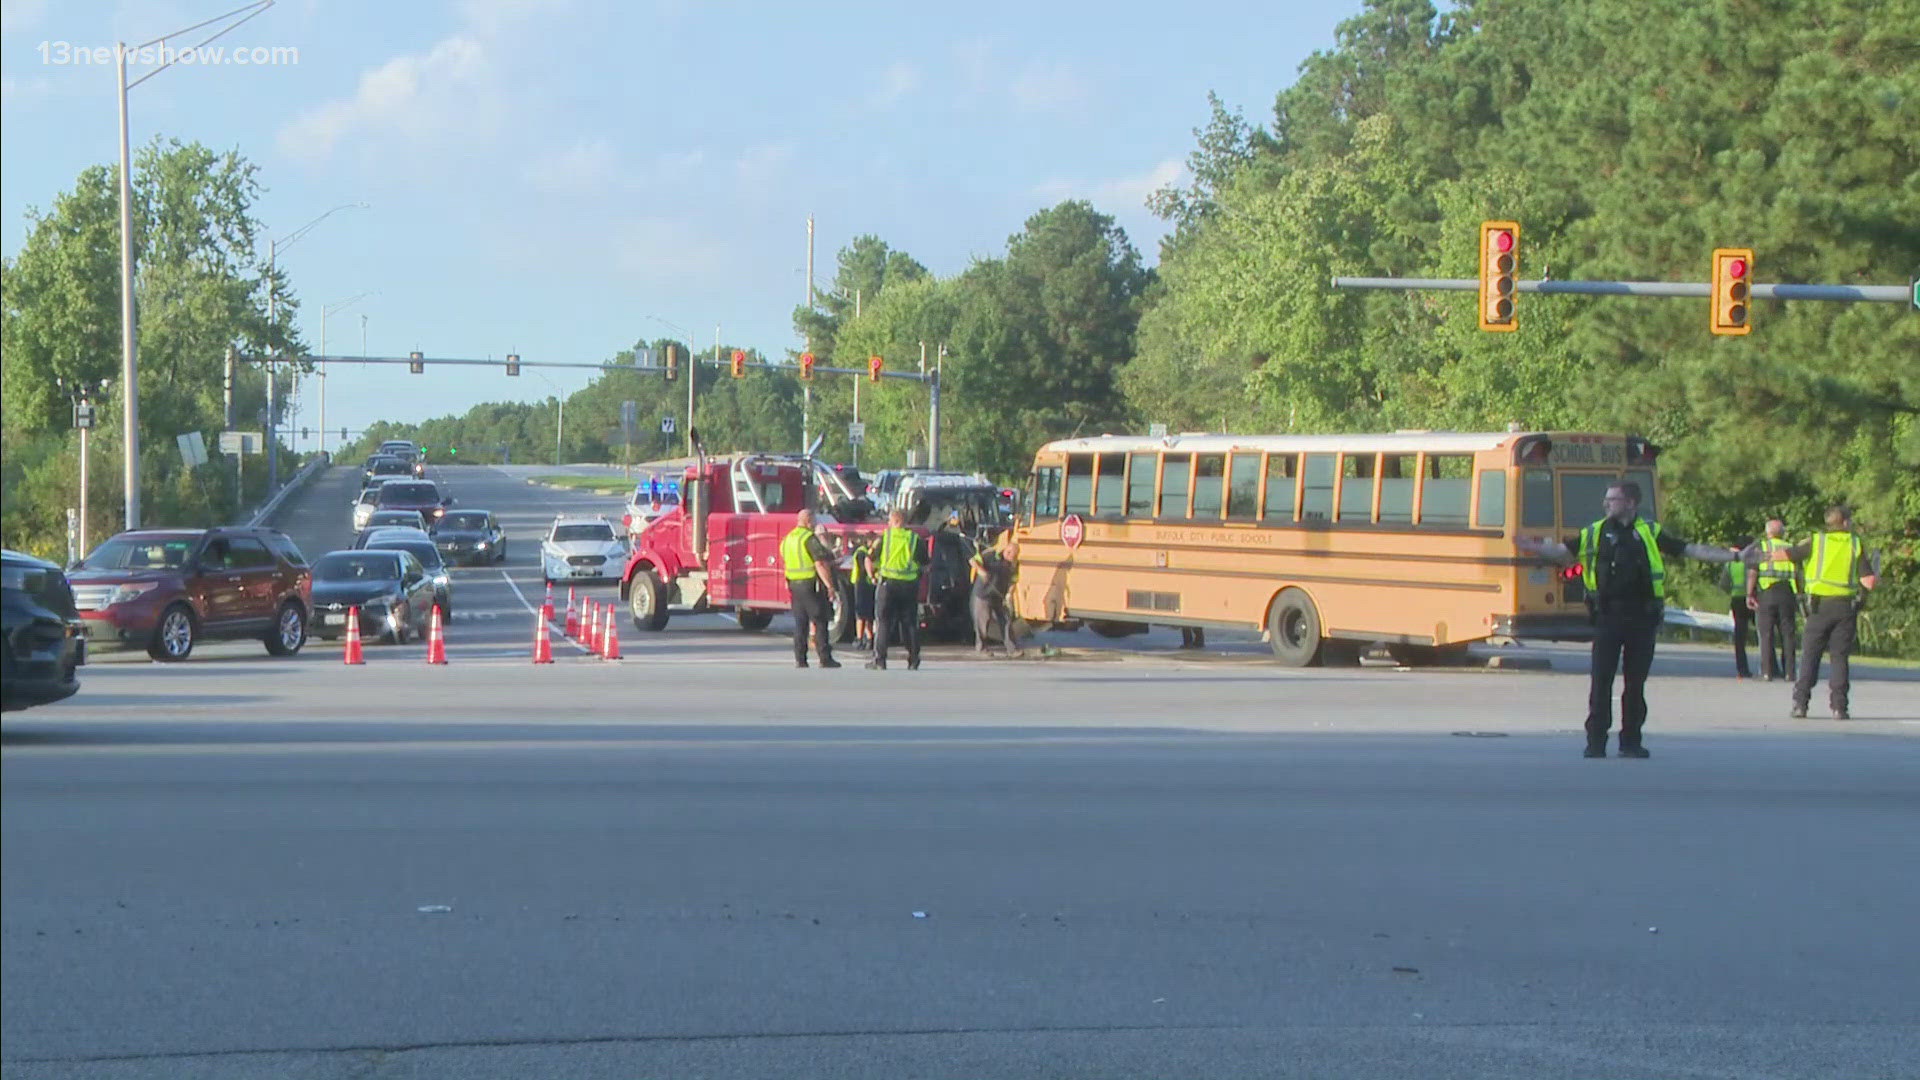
pixel 241 442
pixel 645 358
pixel 666 425
pixel 83 415
pixel 1072 531
pixel 1156 431
pixel 856 433
pixel 193 448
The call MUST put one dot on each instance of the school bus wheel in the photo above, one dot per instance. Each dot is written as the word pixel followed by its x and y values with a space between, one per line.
pixel 1293 628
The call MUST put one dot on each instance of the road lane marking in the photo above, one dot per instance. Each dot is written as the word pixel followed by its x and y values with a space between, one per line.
pixel 534 611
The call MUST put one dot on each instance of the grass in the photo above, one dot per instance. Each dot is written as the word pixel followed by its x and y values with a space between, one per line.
pixel 600 485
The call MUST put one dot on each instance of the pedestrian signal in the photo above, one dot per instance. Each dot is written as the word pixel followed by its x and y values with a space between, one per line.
pixel 806 365
pixel 874 364
pixel 416 363
pixel 1732 290
pixel 739 364
pixel 1499 258
pixel 513 363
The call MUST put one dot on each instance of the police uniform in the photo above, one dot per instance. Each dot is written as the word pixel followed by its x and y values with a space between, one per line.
pixel 897 561
pixel 1734 577
pixel 812 602
pixel 864 589
pixel 1775 587
pixel 1626 585
pixel 1835 562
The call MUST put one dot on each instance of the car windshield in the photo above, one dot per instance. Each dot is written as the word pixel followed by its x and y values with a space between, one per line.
pixel 413 493
pixel 423 550
pixel 582 532
pixel 394 517
pixel 468 521
pixel 141 553
pixel 391 466
pixel 356 566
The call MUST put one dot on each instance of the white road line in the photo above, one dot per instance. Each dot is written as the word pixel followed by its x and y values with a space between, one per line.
pixel 536 611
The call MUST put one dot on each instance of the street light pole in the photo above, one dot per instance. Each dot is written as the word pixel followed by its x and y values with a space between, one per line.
pixel 327 312
pixel 273 320
pixel 129 362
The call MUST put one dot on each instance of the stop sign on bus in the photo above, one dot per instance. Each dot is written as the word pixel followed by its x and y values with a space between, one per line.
pixel 1072 531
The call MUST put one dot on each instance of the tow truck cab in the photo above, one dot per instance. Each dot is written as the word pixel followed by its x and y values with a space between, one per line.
pixel 719 550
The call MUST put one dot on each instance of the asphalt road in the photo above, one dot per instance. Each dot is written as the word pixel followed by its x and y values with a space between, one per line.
pixel 1122 862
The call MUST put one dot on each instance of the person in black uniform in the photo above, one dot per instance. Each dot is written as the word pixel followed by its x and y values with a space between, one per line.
pixel 1735 581
pixel 1773 592
pixel 1840 572
pixel 809 570
pixel 1625 560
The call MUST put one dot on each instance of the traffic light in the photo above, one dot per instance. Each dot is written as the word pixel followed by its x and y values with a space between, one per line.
pixel 305 434
pixel 343 434
pixel 673 362
pixel 417 363
pixel 739 364
pixel 874 363
pixel 806 365
pixel 513 363
pixel 1732 290
pixel 1499 258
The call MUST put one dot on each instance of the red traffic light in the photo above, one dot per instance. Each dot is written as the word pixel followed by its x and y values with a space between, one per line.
pixel 1503 240
pixel 739 364
pixel 1737 267
pixel 874 364
pixel 806 365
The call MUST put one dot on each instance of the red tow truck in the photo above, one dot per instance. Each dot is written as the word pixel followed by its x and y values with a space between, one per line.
pixel 719 549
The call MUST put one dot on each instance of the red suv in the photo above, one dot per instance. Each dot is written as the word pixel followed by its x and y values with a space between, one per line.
pixel 165 589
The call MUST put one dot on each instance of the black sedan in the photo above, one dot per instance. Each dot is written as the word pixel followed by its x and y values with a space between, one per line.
pixel 44 645
pixel 393 591
pixel 470 536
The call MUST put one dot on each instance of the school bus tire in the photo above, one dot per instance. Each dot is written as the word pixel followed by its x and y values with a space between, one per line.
pixel 1293 628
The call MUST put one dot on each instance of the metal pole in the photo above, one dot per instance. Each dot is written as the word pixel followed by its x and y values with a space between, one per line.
pixel 83 488
pixel 693 376
pixel 809 277
pixel 273 323
pixel 1886 294
pixel 933 411
pixel 129 367
pixel 855 460
pixel 559 429
pixel 321 374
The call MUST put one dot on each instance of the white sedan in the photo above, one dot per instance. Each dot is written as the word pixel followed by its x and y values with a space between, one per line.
pixel 582 549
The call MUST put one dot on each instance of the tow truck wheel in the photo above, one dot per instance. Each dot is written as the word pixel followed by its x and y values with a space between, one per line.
pixel 753 618
pixel 840 618
pixel 647 600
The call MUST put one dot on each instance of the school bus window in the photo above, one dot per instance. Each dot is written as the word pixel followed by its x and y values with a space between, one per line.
pixel 1397 475
pixel 1492 512
pixel 1445 491
pixel 1079 484
pixel 1209 472
pixel 1110 484
pixel 1141 470
pixel 1283 471
pixel 1356 487
pixel 1645 479
pixel 1582 498
pixel 1046 492
pixel 1173 485
pixel 1243 488
pixel 1316 496
pixel 1536 499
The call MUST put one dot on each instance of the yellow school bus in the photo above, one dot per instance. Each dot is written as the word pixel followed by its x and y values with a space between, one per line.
pixel 1323 542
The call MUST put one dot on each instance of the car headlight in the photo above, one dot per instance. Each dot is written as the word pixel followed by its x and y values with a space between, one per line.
pixel 442 580
pixel 128 593
pixel 482 545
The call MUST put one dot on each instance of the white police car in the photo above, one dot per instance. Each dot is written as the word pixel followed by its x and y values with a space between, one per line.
pixel 582 547
pixel 648 502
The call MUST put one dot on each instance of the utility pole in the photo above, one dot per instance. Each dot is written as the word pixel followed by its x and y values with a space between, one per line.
pixel 809 267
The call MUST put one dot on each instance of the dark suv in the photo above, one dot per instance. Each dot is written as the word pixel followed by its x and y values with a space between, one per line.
pixel 421 495
pixel 43 645
pixel 165 589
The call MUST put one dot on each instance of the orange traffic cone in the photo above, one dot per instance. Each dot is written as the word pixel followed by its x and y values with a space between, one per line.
pixel 436 640
pixel 573 617
pixel 610 641
pixel 546 608
pixel 352 655
pixel 590 628
pixel 542 648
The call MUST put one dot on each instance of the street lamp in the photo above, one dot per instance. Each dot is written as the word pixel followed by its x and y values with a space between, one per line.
pixel 129 360
pixel 273 319
pixel 320 372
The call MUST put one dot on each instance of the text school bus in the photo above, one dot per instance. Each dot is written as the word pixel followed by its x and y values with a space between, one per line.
pixel 1326 542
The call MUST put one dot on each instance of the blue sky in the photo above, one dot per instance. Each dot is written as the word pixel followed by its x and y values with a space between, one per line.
pixel 553 176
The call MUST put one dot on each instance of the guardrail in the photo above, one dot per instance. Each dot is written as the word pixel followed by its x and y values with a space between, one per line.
pixel 1700 620
pixel 294 483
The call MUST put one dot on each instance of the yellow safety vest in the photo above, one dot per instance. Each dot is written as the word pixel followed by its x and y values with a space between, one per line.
pixel 1773 573
pixel 860 556
pixel 1835 558
pixel 795 556
pixel 1649 533
pixel 896 555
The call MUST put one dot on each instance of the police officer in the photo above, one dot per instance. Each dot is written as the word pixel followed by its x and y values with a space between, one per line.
pixel 897 560
pixel 1839 573
pixel 1773 591
pixel 809 575
pixel 1734 579
pixel 1626 579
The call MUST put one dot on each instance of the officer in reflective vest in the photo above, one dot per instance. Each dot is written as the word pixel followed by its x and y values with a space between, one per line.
pixel 1773 592
pixel 864 595
pixel 1839 573
pixel 1626 579
pixel 1734 578
pixel 897 560
pixel 809 575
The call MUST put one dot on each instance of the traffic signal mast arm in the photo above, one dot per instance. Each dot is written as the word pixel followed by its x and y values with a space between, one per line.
pixel 1882 294
pixel 911 376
